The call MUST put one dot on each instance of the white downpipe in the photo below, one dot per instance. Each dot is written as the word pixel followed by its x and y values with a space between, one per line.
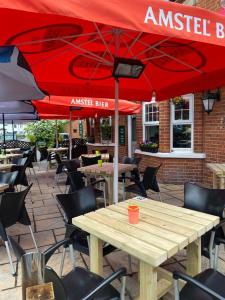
pixel 116 141
pixel 70 154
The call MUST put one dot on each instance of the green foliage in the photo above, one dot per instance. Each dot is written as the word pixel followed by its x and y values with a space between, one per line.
pixel 44 131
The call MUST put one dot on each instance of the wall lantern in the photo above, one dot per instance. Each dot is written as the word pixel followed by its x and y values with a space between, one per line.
pixel 127 68
pixel 209 99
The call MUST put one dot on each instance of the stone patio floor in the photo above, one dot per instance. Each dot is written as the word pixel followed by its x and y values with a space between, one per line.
pixel 48 225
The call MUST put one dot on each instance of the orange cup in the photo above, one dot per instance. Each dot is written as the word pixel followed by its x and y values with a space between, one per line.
pixel 133 214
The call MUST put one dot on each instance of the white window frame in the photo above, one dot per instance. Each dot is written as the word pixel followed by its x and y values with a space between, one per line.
pixel 151 123
pixel 190 97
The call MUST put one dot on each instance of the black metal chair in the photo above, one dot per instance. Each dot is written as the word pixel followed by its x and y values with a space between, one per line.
pixel 76 181
pixel 149 182
pixel 80 283
pixel 210 201
pixel 88 161
pixel 208 285
pixel 135 173
pixel 13 210
pixel 10 179
pixel 73 205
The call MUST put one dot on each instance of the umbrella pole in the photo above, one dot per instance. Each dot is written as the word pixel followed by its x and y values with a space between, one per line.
pixel 12 130
pixel 3 123
pixel 70 146
pixel 116 141
pixel 56 134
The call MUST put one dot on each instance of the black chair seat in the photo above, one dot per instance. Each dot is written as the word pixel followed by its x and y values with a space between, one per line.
pixel 212 279
pixel 80 243
pixel 80 282
pixel 136 189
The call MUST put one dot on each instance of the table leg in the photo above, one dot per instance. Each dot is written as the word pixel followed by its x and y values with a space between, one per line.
pixel 214 181
pixel 148 282
pixel 194 258
pixel 109 180
pixel 96 255
pixel 222 183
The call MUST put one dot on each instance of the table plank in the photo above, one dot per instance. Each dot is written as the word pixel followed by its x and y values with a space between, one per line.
pixel 183 210
pixel 178 214
pixel 180 239
pixel 3 186
pixel 159 242
pixel 6 167
pixel 137 248
pixel 170 226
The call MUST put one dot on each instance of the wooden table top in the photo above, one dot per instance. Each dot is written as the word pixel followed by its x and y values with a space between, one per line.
pixel 11 150
pixel 3 186
pixel 60 149
pixel 104 156
pixel 10 155
pixel 217 168
pixel 162 231
pixel 106 168
pixel 6 167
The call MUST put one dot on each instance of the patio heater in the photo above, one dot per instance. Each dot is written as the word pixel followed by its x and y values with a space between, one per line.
pixel 209 99
pixel 123 68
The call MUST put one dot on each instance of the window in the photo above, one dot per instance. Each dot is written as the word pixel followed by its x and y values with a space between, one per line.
pixel 150 122
pixel 182 124
pixel 106 130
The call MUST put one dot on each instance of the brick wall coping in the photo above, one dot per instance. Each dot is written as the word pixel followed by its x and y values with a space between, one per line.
pixel 173 154
pixel 101 145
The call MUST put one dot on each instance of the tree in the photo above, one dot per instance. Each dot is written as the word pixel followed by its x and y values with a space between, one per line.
pixel 44 131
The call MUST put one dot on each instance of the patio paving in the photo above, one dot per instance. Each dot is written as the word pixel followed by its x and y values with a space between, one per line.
pixel 48 225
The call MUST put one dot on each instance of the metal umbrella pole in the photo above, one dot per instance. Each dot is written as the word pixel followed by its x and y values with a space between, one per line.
pixel 56 134
pixel 70 145
pixel 12 130
pixel 116 141
pixel 3 124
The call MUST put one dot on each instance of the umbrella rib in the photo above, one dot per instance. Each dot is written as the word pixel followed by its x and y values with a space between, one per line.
pixel 92 55
pixel 134 42
pixel 147 79
pixel 58 38
pixel 104 42
pixel 153 46
pixel 153 57
pixel 173 58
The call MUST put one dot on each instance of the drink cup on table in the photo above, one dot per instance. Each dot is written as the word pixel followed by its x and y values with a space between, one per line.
pixel 133 214
pixel 100 163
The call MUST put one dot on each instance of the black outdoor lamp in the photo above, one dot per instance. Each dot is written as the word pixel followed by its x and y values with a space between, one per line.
pixel 209 99
pixel 127 68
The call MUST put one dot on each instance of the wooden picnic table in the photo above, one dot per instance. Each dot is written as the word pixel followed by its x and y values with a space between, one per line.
pixel 218 170
pixel 104 156
pixel 12 150
pixel 7 157
pixel 3 187
pixel 106 171
pixel 60 149
pixel 162 231
pixel 5 167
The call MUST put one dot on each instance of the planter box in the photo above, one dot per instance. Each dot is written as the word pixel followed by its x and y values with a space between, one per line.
pixel 148 149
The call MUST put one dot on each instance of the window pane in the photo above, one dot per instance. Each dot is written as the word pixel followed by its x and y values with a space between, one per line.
pixel 152 134
pixel 182 136
pixel 182 112
pixel 151 113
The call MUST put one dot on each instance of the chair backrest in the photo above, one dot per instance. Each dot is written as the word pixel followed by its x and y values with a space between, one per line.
pixel 76 180
pixel 58 159
pixel 199 198
pixel 77 203
pixel 20 161
pixel 149 178
pixel 12 208
pixel 72 165
pixel 88 161
pixel 43 153
pixel 8 178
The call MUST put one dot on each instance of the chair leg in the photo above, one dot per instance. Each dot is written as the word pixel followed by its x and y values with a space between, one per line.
pixel 72 256
pixel 10 258
pixel 124 192
pixel 62 262
pixel 33 238
pixel 104 195
pixel 176 290
pixel 123 288
pixel 212 250
pixel 160 198
pixel 216 257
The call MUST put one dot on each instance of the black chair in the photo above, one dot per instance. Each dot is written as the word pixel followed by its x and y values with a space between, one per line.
pixel 13 210
pixel 20 167
pixel 71 165
pixel 73 205
pixel 76 181
pixel 80 283
pixel 10 179
pixel 208 285
pixel 134 174
pixel 88 161
pixel 78 150
pixel 43 153
pixel 210 201
pixel 149 182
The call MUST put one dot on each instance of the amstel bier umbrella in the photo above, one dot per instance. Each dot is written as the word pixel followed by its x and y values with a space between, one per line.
pixel 71 47
pixel 58 107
